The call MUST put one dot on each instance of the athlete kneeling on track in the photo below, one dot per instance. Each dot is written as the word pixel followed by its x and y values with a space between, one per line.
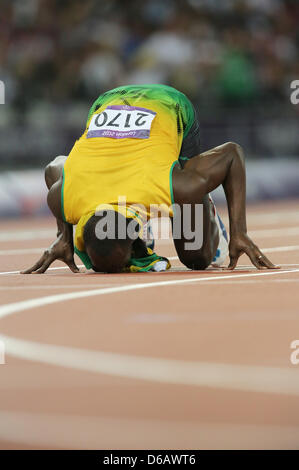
pixel 142 143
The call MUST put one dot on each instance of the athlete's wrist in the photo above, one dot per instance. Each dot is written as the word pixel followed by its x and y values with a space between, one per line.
pixel 238 232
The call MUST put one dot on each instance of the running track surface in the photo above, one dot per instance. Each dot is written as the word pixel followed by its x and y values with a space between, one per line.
pixel 176 360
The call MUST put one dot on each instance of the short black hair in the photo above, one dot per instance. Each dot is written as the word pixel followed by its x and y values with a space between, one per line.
pixel 107 254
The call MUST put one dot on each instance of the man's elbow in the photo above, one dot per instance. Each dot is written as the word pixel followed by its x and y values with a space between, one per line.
pixel 235 149
pixel 235 154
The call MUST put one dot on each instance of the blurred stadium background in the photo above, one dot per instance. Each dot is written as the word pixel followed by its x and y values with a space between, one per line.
pixel 235 60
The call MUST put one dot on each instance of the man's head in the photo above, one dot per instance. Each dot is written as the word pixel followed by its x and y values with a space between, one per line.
pixel 107 242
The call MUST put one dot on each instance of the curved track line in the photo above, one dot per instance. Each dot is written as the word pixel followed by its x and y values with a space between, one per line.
pixel 274 232
pixel 246 378
pixel 281 248
pixel 21 251
pixel 25 251
pixel 9 309
pixel 17 235
pixel 49 269
pixel 228 376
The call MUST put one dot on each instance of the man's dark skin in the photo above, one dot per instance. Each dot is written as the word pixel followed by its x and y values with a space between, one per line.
pixel 191 185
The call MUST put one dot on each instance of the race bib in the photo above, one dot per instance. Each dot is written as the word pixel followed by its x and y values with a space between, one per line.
pixel 120 122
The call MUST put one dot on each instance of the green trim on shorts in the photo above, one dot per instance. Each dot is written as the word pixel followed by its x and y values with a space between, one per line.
pixel 183 160
pixel 62 196
pixel 144 264
pixel 83 257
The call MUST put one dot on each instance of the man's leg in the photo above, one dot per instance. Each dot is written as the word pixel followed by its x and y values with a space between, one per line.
pixel 148 236
pixel 199 258
pixel 190 148
pixel 62 248
pixel 190 188
pixel 223 165
pixel 222 249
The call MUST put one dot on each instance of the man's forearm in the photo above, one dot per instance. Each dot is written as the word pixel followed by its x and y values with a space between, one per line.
pixel 54 203
pixel 234 186
pixel 225 165
pixel 66 230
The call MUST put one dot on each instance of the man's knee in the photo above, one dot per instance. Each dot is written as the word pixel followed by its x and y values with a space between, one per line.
pixel 198 264
pixel 198 261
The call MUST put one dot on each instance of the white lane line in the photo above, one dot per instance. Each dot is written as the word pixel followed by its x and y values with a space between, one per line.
pixel 15 235
pixel 22 251
pixel 91 286
pixel 246 266
pixel 275 232
pixel 49 269
pixel 27 251
pixel 269 218
pixel 256 281
pixel 281 248
pixel 11 308
pixel 274 217
pixel 39 250
pixel 228 376
pixel 259 379
pixel 55 286
pixel 274 249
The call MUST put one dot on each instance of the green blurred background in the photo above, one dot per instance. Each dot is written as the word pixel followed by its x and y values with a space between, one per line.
pixel 235 59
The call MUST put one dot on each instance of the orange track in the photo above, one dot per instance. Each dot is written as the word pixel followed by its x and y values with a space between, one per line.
pixel 146 396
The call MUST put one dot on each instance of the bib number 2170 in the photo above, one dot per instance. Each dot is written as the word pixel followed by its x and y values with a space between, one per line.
pixel 119 122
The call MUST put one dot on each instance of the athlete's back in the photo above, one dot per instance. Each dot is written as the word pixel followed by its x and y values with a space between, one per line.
pixel 133 136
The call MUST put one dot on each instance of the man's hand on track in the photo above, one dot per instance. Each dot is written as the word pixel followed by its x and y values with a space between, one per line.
pixel 240 244
pixel 61 250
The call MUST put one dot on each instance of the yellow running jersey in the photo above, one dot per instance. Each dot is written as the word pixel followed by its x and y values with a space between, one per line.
pixel 130 145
